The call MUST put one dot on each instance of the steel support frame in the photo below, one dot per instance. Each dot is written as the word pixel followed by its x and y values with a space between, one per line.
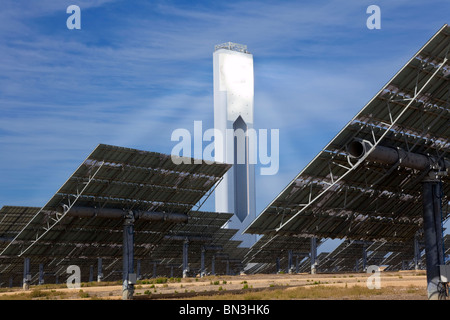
pixel 313 255
pixel 334 178
pixel 154 272
pixel 364 257
pixel 185 258
pixel 202 262
pixel 91 273
pixel 204 248
pixel 57 216
pixel 41 273
pixel 99 269
pixel 138 270
pixel 432 225
pixel 290 268
pixel 213 265
pixel 26 274
pixel 278 266
pixel 416 252
pixel 128 275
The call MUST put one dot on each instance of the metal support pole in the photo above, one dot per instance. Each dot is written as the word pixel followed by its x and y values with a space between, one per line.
pixel 154 274
pixel 297 264
pixel 313 255
pixel 99 270
pixel 278 265
pixel 213 265
pixel 416 252
pixel 185 258
pixel 202 262
pixel 91 273
pixel 432 225
pixel 138 270
pixel 129 277
pixel 227 272
pixel 290 269
pixel 26 274
pixel 364 257
pixel 41 273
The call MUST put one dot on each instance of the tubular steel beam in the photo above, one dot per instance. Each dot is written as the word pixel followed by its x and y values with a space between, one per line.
pixel 360 148
pixel 193 238
pixel 111 213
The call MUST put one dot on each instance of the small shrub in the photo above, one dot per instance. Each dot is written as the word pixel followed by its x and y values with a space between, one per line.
pixel 161 280
pixel 38 294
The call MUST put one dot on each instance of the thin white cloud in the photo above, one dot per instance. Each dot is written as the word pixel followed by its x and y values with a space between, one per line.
pixel 61 95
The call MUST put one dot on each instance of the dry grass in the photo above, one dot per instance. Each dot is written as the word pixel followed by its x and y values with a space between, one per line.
pixel 312 292
pixel 36 294
pixel 394 285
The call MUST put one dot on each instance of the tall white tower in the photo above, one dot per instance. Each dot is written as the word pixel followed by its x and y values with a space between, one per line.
pixel 233 118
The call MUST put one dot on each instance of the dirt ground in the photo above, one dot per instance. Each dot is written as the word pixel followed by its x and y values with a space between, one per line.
pixel 402 285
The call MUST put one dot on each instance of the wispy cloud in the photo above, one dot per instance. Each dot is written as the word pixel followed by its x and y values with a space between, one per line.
pixel 138 70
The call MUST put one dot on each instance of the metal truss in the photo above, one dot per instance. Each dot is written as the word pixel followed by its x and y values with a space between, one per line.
pixel 336 180
pixel 54 217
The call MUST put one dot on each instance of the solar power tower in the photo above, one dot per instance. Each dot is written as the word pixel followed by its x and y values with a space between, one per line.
pixel 385 174
pixel 234 143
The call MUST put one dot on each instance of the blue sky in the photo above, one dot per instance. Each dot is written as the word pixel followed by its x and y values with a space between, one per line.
pixel 137 70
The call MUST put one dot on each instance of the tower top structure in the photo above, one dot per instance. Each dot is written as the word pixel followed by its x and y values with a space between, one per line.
pixel 232 46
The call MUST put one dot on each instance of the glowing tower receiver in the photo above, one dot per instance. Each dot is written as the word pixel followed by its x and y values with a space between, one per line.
pixel 233 112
